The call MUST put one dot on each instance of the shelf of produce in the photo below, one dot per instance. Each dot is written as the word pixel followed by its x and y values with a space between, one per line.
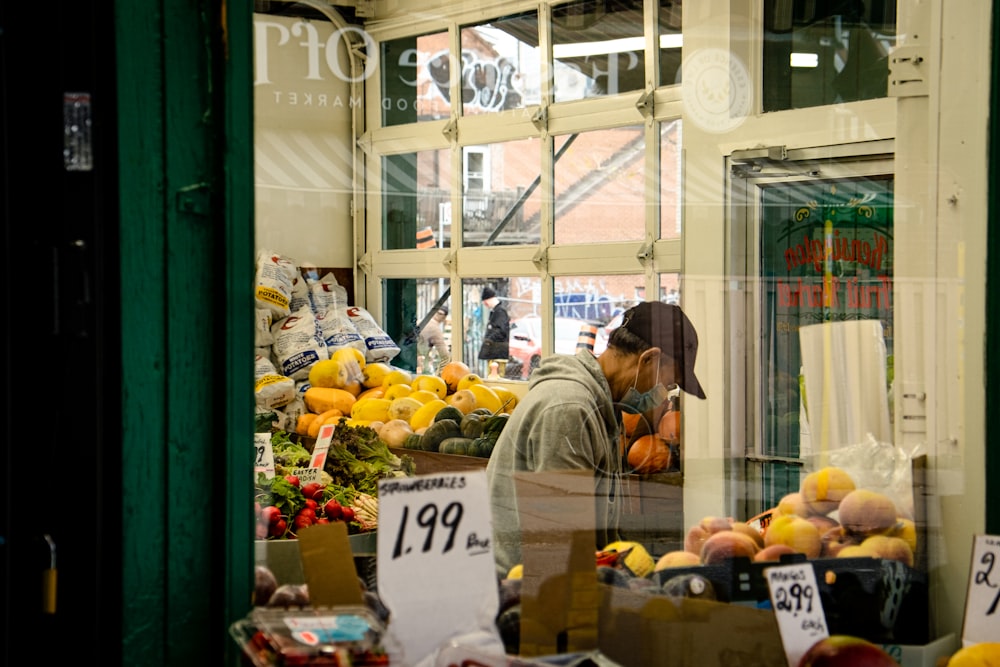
pixel 432 462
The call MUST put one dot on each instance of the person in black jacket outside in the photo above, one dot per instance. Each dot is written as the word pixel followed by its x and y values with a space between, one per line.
pixel 496 346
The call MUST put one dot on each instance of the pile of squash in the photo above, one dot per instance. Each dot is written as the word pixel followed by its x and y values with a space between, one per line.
pixel 472 434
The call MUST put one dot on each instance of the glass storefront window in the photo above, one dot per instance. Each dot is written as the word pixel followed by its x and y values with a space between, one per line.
pixel 671 192
pixel 500 65
pixel 417 200
pixel 599 186
pixel 825 53
pixel 597 49
pixel 416 79
pixel 501 199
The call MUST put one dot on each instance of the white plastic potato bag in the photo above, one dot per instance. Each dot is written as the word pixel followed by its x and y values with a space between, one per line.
pixel 298 343
pixel 274 277
pixel 378 345
pixel 271 389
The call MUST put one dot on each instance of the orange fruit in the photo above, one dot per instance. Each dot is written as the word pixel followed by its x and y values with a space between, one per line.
pixel 648 454
pixel 629 421
pixel 452 372
pixel 669 426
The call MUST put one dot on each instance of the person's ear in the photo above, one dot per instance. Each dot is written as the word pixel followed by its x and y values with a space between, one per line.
pixel 649 358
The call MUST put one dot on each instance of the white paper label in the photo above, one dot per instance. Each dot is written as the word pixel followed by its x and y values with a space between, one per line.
pixel 307 475
pixel 982 602
pixel 263 455
pixel 797 608
pixel 436 573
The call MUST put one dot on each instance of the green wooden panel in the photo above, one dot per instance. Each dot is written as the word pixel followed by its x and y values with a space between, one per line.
pixel 186 238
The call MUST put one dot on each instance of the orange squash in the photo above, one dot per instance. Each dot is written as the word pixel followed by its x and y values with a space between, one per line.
pixel 649 454
pixel 669 426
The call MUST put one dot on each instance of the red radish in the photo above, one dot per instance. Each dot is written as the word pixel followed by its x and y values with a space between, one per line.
pixel 322 519
pixel 312 504
pixel 313 490
pixel 308 513
pixel 332 509
pixel 347 513
pixel 270 514
pixel 278 529
pixel 292 479
pixel 301 522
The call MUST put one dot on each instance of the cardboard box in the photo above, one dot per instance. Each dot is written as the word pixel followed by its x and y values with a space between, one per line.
pixel 926 655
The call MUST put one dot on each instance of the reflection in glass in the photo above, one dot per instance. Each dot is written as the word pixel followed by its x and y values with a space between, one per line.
pixel 500 65
pixel 410 307
pixel 597 48
pixel 507 301
pixel 670 288
pixel 417 204
pixel 501 200
pixel 415 79
pixel 599 187
pixel 670 43
pixel 670 179
pixel 818 53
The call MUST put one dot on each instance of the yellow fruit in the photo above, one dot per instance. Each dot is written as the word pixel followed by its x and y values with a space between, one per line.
pixel 507 398
pixel 485 397
pixel 328 373
pixel 463 399
pixel 423 417
pixel 424 396
pixel 430 383
pixel 371 409
pixel 403 408
pixel 397 391
pixel 374 392
pixel 638 559
pixel 797 532
pixel 905 530
pixel 321 399
pixel 303 422
pixel 983 654
pixel 516 572
pixel 356 422
pixel 468 380
pixel 343 354
pixel 396 376
pixel 374 373
pixel 452 372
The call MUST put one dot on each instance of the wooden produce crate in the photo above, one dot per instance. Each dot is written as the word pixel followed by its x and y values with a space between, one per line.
pixel 432 462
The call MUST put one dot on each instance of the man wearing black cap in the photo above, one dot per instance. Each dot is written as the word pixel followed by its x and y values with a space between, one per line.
pixel 431 343
pixel 496 340
pixel 569 419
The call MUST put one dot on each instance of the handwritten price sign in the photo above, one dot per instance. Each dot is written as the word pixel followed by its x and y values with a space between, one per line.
pixel 982 602
pixel 797 608
pixel 263 455
pixel 435 553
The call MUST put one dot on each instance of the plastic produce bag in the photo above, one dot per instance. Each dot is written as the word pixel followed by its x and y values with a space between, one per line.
pixel 298 343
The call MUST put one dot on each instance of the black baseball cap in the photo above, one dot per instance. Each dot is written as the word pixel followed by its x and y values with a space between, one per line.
pixel 665 326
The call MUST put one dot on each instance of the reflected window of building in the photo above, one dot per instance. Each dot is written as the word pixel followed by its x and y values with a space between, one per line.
pixel 501 199
pixel 500 65
pixel 416 200
pixel 415 79
pixel 599 186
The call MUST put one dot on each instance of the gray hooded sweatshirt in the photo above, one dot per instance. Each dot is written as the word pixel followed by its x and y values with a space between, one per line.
pixel 566 421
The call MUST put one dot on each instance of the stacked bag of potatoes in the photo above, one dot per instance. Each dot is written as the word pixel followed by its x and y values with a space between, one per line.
pixel 456 412
pixel 828 517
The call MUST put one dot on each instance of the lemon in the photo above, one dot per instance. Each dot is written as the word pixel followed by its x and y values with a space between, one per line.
pixel 638 559
pixel 431 383
pixel 516 572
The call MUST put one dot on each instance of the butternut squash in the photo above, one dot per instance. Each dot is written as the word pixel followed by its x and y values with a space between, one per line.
pixel 328 417
pixel 321 399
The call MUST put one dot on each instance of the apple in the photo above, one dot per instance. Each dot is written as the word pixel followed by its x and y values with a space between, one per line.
pixel 846 651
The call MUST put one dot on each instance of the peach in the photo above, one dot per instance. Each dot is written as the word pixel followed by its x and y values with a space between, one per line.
pixel 750 532
pixel 836 539
pixel 823 522
pixel 867 512
pixel 773 552
pixel 823 489
pixel 890 548
pixel 679 558
pixel 701 531
pixel 796 532
pixel 906 530
pixel 727 544
pixel 792 503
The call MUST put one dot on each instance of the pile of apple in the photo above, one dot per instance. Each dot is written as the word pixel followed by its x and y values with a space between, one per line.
pixel 828 517
pixel 393 401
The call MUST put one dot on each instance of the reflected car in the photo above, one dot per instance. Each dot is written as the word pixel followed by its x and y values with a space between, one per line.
pixel 526 341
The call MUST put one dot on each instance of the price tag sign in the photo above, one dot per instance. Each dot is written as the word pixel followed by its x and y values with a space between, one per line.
pixel 307 475
pixel 436 573
pixel 982 602
pixel 263 455
pixel 797 608
pixel 322 446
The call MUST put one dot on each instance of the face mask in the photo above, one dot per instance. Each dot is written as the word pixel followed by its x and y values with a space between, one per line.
pixel 637 403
